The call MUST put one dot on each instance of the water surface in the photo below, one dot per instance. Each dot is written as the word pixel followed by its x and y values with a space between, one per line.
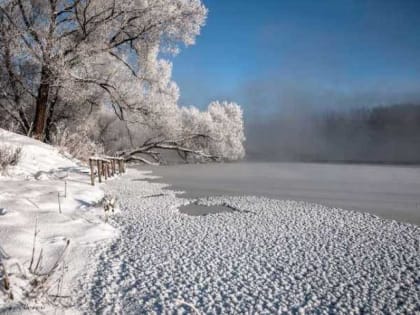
pixel 387 191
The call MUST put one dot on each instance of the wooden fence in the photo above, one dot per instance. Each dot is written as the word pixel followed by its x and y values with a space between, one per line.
pixel 106 167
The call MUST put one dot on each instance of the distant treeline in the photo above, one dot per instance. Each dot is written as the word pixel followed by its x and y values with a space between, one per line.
pixel 386 134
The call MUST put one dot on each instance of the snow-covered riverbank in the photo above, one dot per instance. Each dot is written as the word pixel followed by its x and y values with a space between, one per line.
pixel 51 194
pixel 269 256
pixel 261 256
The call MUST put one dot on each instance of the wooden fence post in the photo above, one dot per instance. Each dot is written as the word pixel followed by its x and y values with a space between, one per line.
pixel 104 166
pixel 113 166
pixel 59 203
pixel 99 163
pixel 92 172
pixel 119 167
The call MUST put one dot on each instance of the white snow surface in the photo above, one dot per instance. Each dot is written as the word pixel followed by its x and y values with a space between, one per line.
pixel 269 257
pixel 37 157
pixel 30 192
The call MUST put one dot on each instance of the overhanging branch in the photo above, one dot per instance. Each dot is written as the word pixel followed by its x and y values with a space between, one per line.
pixel 178 145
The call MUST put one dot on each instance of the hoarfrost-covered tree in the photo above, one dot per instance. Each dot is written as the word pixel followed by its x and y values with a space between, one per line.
pixel 72 52
pixel 66 62
pixel 215 134
pixel 227 122
pixel 223 123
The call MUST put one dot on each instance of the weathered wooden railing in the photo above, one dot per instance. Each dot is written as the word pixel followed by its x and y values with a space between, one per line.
pixel 105 167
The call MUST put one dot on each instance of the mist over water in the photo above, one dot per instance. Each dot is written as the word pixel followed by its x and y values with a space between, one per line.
pixel 318 125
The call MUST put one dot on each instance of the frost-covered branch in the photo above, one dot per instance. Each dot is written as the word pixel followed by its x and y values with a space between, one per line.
pixel 172 145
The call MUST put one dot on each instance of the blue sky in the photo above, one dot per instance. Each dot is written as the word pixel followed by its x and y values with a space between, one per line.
pixel 274 54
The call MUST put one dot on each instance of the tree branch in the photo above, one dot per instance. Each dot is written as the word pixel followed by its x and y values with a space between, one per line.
pixel 176 145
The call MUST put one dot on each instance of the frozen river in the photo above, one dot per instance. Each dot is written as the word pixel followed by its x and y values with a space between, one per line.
pixel 387 191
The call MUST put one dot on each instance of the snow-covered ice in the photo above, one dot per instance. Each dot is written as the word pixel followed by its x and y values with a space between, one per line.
pixel 389 191
pixel 270 256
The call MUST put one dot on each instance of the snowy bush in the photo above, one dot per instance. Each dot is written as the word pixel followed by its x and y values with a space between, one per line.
pixel 228 129
pixel 36 285
pixel 222 123
pixel 77 143
pixel 9 156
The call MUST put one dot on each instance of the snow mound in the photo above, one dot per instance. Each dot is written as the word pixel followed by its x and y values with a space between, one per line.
pixel 37 160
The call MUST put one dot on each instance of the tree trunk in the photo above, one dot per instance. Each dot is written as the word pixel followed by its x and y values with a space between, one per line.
pixel 49 120
pixel 40 118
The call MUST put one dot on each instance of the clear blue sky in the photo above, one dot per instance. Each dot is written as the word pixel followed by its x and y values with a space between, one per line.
pixel 271 54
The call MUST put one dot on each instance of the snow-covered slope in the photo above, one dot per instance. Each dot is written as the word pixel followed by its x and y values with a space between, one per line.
pixel 36 156
pixel 54 191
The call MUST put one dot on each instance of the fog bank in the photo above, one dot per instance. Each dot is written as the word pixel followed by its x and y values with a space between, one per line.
pixel 382 134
